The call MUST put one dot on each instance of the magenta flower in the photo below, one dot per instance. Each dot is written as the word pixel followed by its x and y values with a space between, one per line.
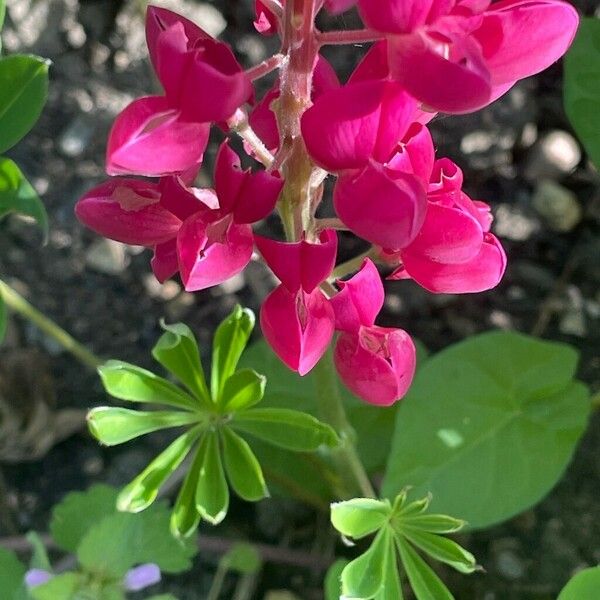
pixel 203 83
pixel 481 48
pixel 375 363
pixel 297 319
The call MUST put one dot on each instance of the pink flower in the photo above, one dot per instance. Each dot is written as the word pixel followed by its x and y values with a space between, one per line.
pixel 375 363
pixel 297 319
pixel 203 82
pixel 265 21
pixel 454 251
pixel 204 235
pixel 481 48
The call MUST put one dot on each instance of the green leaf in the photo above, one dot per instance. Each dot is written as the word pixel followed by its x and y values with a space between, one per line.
pixel 242 558
pixel 392 587
pixel 472 402
pixel 441 548
pixel 177 351
pixel 433 523
pixel 185 517
pixel 333 579
pixel 582 87
pixel 212 493
pixel 134 384
pixel 230 340
pixel 243 389
pixel 113 426
pixel 2 15
pixel 3 318
pixel 18 195
pixel 61 587
pixel 425 583
pixel 364 577
pixel 359 517
pixel 143 490
pixel 39 557
pixel 583 586
pixel 78 512
pixel 12 573
pixel 288 429
pixel 23 93
pixel 242 467
pixel 163 597
pixel 123 540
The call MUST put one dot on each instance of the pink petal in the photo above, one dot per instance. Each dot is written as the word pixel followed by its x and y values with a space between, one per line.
pixel 324 77
pixel 183 201
pixel 382 206
pixel 148 138
pixel 263 122
pixel 298 326
pixel 373 66
pixel 335 7
pixel 394 16
pixel 210 252
pixel 360 299
pixel 446 179
pixel 520 38
pixel 415 154
pixel 128 211
pixel 377 364
pixel 171 60
pixel 482 273
pixel 265 21
pixel 301 265
pixel 437 82
pixel 164 262
pixel 348 126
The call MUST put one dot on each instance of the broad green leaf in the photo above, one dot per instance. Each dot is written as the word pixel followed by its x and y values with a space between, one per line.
pixel 23 92
pixel 441 549
pixel 583 586
pixel 242 467
pixel 212 493
pixel 360 516
pixel 333 579
pixel 230 340
pixel 2 15
pixel 177 351
pixel 472 402
pixel 582 85
pixel 185 517
pixel 143 490
pixel 78 512
pixel 17 194
pixel 39 557
pixel 113 426
pixel 288 429
pixel 61 587
pixel 3 318
pixel 123 540
pixel 392 587
pixel 364 577
pixel 243 558
pixel 134 384
pixel 12 572
pixel 243 389
pixel 433 523
pixel 425 583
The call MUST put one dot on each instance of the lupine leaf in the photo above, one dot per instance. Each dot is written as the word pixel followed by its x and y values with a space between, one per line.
pixel 39 557
pixel 243 389
pixel 364 577
pixel 392 587
pixel 439 524
pixel 441 549
pixel 229 342
pixel 143 490
pixel 285 428
pixel 2 15
pixel 23 92
pixel 425 583
pixel 185 517
pixel 18 195
pixel 113 426
pixel 243 558
pixel 12 572
pixel 359 517
pixel 242 467
pixel 212 493
pixel 61 587
pixel 333 579
pixel 416 507
pixel 583 586
pixel 177 351
pixel 134 384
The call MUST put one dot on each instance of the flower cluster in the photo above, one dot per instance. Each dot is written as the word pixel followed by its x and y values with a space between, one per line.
pixel 452 56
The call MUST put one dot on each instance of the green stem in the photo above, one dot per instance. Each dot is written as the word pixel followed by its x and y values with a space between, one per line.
pixel 331 408
pixel 218 581
pixel 17 303
pixel 352 265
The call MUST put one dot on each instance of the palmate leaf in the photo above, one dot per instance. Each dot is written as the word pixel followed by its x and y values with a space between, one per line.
pixel 361 516
pixel 212 492
pixel 185 517
pixel 62 587
pixel 12 572
pixel 242 390
pixel 583 586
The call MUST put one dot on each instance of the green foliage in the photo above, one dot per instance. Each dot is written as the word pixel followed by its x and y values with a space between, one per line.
pixel 472 402
pixel 2 15
pixel 242 558
pixel 333 579
pixel 62 587
pixel 12 572
pixel 400 529
pixel 582 85
pixel 3 318
pixel 219 453
pixel 583 586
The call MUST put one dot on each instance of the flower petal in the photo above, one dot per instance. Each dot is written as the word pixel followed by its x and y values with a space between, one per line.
pixel 164 262
pixel 395 16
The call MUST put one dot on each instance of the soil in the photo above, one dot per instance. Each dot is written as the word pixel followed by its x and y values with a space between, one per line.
pixel 106 297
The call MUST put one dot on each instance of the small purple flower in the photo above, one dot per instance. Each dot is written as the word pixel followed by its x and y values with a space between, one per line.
pixel 35 577
pixel 141 577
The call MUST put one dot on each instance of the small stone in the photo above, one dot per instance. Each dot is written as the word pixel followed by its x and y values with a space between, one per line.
pixel 233 284
pixel 555 154
pixel 161 291
pixel 512 223
pixel 106 256
pixel 557 205
pixel 76 137
pixel 180 306
pixel 509 565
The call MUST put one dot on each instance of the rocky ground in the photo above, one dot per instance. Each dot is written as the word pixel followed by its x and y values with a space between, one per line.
pixel 518 154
